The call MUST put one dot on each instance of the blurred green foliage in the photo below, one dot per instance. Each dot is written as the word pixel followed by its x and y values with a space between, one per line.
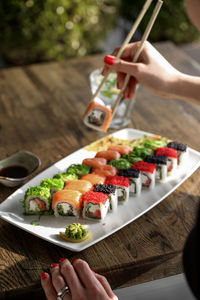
pixel 172 22
pixel 41 30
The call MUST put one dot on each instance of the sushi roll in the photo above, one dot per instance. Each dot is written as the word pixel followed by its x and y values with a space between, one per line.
pixel 37 200
pixel 120 163
pixel 181 149
pixel 97 116
pixel 148 173
pixel 67 203
pixel 134 179
pixel 82 186
pixel 105 170
pixel 66 176
pixel 121 149
pixel 161 166
pixel 96 162
pixel 54 184
pixel 95 205
pixel 79 169
pixel 122 184
pixel 111 191
pixel 109 154
pixel 94 178
pixel 171 155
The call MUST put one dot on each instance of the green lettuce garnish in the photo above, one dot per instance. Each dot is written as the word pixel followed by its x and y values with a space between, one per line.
pixel 78 169
pixel 66 176
pixel 142 151
pixel 120 163
pixel 155 144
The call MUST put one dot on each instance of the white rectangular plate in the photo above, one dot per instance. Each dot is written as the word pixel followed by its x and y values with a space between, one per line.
pixel 50 226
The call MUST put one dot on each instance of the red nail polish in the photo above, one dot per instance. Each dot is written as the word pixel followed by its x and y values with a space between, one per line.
pixel 109 60
pixel 53 265
pixel 74 259
pixel 44 275
pixel 61 259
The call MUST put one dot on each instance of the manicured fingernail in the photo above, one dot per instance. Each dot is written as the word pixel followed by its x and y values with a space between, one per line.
pixel 61 259
pixel 44 275
pixel 109 60
pixel 53 265
pixel 74 259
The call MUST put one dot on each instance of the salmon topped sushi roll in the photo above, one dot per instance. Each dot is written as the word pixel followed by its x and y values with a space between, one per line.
pixel 82 186
pixel 96 162
pixel 108 154
pixel 106 170
pixel 67 203
pixel 97 116
pixel 95 205
pixel 121 149
pixel 94 178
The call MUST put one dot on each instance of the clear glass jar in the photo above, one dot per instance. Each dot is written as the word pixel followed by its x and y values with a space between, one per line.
pixel 108 94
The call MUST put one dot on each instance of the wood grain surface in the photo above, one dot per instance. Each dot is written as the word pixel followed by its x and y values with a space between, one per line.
pixel 41 108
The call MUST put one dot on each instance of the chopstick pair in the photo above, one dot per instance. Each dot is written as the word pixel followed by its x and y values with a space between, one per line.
pixel 135 58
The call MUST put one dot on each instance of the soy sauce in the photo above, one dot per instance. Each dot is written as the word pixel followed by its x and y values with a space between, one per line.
pixel 14 172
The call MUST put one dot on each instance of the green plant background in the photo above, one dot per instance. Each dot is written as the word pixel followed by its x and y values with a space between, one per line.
pixel 42 30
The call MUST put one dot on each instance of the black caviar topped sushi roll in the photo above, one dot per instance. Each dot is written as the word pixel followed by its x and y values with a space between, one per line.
pixel 177 146
pixel 130 172
pixel 156 159
pixel 134 178
pixel 105 188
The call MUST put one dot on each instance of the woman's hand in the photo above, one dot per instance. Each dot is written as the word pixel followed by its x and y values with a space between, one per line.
pixel 152 70
pixel 84 284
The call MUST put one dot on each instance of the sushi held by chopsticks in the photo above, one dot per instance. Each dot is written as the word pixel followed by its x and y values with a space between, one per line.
pixel 97 115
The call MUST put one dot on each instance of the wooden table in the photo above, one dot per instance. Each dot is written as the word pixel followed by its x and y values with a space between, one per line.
pixel 40 110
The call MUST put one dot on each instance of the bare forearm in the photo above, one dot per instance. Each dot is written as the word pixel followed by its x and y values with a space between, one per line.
pixel 187 87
